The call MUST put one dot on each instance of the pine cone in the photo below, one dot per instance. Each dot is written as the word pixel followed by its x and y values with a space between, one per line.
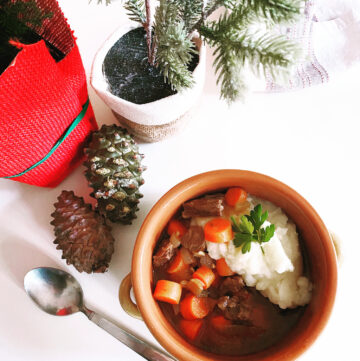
pixel 114 171
pixel 82 235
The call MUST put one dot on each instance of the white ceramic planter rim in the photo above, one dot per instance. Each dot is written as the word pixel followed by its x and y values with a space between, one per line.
pixel 159 112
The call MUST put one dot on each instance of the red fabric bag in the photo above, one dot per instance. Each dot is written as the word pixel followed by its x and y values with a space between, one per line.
pixel 45 114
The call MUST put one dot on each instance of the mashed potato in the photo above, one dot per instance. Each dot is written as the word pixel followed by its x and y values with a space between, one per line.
pixel 278 273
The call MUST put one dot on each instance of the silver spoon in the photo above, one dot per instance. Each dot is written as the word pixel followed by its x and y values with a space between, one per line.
pixel 59 293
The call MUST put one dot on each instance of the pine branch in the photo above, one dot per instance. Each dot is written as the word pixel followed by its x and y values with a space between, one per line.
pixel 264 53
pixel 210 7
pixel 153 50
pixel 229 72
pixel 148 28
pixel 267 53
pixel 235 46
pixel 136 10
pixel 190 11
pixel 228 23
pixel 174 49
pixel 278 11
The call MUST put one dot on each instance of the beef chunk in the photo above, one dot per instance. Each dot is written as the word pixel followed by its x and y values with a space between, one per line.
pixel 194 239
pixel 213 292
pixel 223 302
pixel 234 309
pixel 164 253
pixel 207 206
pixel 232 285
pixel 234 301
pixel 207 261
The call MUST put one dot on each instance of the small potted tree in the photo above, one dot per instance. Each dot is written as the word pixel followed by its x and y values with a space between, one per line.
pixel 151 76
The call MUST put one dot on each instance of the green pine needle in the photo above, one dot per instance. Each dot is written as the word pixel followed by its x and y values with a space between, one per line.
pixel 174 48
pixel 136 10
pixel 278 11
pixel 236 46
pixel 190 11
pixel 212 5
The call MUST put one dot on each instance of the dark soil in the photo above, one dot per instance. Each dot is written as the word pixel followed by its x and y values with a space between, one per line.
pixel 129 74
pixel 31 37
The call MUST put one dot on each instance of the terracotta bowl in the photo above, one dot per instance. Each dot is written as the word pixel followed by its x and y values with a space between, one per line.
pixel 317 242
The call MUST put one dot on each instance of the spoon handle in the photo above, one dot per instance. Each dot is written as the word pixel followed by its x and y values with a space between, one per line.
pixel 144 349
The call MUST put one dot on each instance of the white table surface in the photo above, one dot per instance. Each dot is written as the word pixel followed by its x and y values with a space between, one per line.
pixel 308 139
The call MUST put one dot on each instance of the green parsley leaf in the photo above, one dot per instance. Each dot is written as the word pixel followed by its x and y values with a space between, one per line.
pixel 235 224
pixel 267 233
pixel 246 247
pixel 248 229
pixel 264 217
pixel 241 238
pixel 246 226
pixel 257 218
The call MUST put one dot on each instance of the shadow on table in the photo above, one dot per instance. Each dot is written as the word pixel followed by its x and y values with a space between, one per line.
pixel 40 200
pixel 18 257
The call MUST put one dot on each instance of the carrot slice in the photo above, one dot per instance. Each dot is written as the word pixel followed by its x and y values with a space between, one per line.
pixel 183 275
pixel 192 307
pixel 223 269
pixel 234 196
pixel 218 230
pixel 168 291
pixel 177 264
pixel 219 322
pixel 195 286
pixel 191 328
pixel 206 275
pixel 176 226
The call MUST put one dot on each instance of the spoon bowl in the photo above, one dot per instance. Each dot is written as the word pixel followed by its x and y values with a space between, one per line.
pixel 59 293
pixel 54 291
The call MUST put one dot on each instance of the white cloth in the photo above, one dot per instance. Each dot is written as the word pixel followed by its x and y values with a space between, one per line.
pixel 330 35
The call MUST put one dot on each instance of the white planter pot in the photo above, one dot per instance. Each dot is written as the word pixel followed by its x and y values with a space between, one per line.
pixel 156 120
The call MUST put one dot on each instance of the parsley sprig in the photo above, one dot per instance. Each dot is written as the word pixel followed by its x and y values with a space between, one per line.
pixel 249 229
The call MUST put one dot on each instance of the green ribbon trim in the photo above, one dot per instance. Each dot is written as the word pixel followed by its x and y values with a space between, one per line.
pixel 76 121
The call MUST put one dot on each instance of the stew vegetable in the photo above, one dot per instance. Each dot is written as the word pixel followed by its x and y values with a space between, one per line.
pixel 204 299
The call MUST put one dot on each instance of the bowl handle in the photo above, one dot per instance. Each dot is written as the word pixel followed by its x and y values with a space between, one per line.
pixel 125 300
pixel 337 245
